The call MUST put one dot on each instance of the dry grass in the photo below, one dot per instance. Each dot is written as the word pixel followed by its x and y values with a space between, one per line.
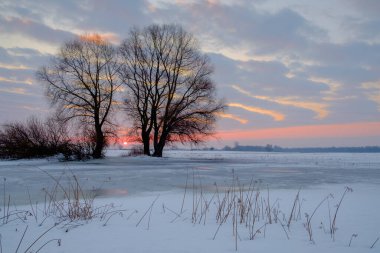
pixel 248 208
pixel 66 203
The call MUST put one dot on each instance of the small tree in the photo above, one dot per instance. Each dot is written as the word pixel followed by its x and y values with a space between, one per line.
pixel 171 96
pixel 81 82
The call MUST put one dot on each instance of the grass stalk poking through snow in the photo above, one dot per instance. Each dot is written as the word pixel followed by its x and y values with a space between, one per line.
pixel 308 225
pixel 6 212
pixel 352 237
pixel 5 179
pixel 184 194
pixel 333 227
pixel 292 213
pixel 373 245
pixel 146 212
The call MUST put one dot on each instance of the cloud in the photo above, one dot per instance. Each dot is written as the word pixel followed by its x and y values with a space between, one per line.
pixel 368 7
pixel 38 31
pixel 14 67
pixel 238 25
pixel 275 115
pixel 10 80
pixel 33 108
pixel 20 63
pixel 286 36
pixel 52 23
pixel 333 86
pixel 371 85
pixel 352 53
pixel 100 37
pixel 373 91
pixel 233 117
pixel 19 91
pixel 268 80
pixel 319 108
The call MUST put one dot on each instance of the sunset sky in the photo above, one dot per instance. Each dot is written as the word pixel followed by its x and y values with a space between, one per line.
pixel 293 72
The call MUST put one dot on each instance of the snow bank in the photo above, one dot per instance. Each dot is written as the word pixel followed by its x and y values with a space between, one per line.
pixel 165 229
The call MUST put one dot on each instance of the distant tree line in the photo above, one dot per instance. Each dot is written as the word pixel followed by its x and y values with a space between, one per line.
pixel 158 76
pixel 274 148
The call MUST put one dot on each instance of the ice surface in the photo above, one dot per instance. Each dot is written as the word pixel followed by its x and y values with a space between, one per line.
pixel 117 175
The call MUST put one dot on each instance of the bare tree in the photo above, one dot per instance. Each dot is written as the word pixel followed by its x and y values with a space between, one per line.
pixel 171 96
pixel 81 82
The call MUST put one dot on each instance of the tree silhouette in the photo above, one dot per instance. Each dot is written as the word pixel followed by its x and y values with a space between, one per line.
pixel 171 96
pixel 81 81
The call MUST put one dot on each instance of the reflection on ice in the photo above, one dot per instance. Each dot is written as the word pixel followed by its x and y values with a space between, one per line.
pixel 110 192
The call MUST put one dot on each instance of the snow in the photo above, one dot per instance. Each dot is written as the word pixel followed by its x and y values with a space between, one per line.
pixel 129 186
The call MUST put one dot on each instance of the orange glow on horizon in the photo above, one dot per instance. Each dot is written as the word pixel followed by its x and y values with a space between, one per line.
pixel 359 129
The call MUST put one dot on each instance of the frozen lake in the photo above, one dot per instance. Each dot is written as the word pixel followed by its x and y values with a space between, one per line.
pixel 117 175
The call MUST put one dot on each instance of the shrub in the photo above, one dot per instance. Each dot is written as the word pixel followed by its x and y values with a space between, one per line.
pixel 37 139
pixel 137 150
pixel 77 151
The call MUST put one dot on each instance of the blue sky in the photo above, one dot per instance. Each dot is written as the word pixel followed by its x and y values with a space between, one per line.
pixel 293 72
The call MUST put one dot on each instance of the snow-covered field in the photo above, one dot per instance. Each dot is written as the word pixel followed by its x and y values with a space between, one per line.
pixel 195 201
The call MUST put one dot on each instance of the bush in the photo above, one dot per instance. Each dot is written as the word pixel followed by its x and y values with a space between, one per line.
pixel 137 150
pixel 77 151
pixel 37 139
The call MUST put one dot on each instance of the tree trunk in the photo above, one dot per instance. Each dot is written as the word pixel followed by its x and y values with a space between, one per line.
pixel 146 143
pixel 158 150
pixel 99 143
pixel 155 143
pixel 159 147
